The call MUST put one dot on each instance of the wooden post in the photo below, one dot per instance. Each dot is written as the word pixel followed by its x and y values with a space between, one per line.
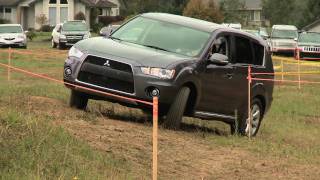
pixel 155 139
pixel 282 70
pixel 249 101
pixel 9 64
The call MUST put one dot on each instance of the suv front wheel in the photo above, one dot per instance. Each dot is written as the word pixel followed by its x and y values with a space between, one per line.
pixel 78 100
pixel 53 44
pixel 177 109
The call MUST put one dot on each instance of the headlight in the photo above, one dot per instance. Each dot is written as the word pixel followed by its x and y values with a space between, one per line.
pixel 22 36
pixel 87 36
pixel 74 52
pixel 62 36
pixel 158 72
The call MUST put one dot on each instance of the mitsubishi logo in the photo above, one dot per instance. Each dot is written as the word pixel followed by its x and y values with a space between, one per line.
pixel 107 63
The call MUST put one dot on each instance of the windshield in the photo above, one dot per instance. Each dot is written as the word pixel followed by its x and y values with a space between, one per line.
pixel 74 26
pixel 310 37
pixel 163 36
pixel 10 29
pixel 284 34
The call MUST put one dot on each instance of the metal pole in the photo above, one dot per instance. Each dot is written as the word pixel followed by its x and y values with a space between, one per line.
pixel 155 139
pixel 249 101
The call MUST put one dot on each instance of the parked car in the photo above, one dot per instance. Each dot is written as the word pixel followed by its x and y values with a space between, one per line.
pixel 284 39
pixel 233 25
pixel 264 33
pixel 69 33
pixel 197 68
pixel 12 35
pixel 106 31
pixel 308 47
pixel 253 32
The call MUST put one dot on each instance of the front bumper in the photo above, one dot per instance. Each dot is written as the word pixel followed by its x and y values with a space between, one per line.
pixel 309 55
pixel 143 84
pixel 283 50
pixel 16 43
pixel 69 42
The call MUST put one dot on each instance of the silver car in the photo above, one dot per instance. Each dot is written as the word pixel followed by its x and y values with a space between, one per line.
pixel 12 35
pixel 284 39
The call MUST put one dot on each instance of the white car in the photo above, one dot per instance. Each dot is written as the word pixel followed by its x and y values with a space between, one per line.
pixel 12 35
pixel 69 33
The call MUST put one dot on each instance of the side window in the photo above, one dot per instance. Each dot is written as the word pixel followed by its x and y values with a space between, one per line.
pixel 258 54
pixel 243 50
pixel 221 46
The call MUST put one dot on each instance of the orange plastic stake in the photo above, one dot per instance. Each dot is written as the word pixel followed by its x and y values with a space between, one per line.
pixel 9 64
pixel 249 101
pixel 299 74
pixel 155 139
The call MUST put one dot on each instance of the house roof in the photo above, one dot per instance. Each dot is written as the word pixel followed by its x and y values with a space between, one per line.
pixel 253 4
pixel 312 25
pixel 99 3
pixel 9 2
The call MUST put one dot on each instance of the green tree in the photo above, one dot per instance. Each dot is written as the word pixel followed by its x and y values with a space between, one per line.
pixel 280 11
pixel 203 10
pixel 231 11
pixel 311 12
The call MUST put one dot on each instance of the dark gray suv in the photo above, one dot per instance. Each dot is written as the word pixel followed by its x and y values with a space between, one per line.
pixel 198 69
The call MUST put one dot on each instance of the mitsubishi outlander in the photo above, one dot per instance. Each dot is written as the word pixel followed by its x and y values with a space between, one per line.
pixel 197 68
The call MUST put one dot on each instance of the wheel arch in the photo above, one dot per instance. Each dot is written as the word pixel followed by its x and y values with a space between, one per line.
pixel 193 97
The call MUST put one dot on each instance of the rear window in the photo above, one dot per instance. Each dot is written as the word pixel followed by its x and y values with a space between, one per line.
pixel 243 50
pixel 258 54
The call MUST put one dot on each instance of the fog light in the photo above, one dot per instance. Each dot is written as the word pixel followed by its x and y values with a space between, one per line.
pixel 155 92
pixel 67 71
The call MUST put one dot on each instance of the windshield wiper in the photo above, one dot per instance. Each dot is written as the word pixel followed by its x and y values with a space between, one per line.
pixel 155 47
pixel 115 38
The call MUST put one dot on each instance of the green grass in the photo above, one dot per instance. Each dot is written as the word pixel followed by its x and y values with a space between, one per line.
pixel 34 146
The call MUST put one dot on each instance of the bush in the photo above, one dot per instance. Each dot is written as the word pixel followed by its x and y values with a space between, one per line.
pixel 106 20
pixel 4 21
pixel 46 28
pixel 31 34
pixel 80 16
pixel 96 27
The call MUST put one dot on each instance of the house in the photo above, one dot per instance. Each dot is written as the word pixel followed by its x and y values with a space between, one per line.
pixel 313 27
pixel 25 12
pixel 254 13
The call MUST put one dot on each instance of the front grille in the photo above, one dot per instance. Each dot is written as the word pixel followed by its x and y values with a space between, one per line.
pixel 310 55
pixel 74 37
pixel 107 73
pixel 311 49
pixel 9 39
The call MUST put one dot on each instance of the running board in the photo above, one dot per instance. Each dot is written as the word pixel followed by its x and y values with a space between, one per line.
pixel 208 116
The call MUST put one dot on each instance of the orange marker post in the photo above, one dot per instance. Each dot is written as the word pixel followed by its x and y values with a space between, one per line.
pixel 282 71
pixel 9 64
pixel 249 101
pixel 155 139
pixel 299 74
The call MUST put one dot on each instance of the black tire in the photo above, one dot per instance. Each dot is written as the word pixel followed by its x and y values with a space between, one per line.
pixel 61 46
pixel 242 126
pixel 78 100
pixel 177 109
pixel 53 44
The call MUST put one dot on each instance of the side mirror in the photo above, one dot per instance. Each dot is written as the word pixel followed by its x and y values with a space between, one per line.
pixel 295 39
pixel 219 59
pixel 26 32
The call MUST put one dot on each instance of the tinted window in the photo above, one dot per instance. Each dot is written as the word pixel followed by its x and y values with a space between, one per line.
pixel 243 50
pixel 258 54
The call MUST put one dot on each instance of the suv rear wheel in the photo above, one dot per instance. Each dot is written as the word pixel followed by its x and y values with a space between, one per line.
pixel 257 116
pixel 177 109
pixel 78 100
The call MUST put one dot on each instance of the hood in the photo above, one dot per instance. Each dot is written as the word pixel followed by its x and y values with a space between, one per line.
pixel 11 35
pixel 74 32
pixel 135 55
pixel 284 41
pixel 309 44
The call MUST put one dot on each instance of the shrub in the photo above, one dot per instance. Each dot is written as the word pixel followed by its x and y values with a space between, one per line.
pixel 42 20
pixel 46 28
pixel 106 20
pixel 4 21
pixel 96 27
pixel 80 16
pixel 31 34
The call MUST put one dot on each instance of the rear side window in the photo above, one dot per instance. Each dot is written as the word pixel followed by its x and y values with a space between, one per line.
pixel 258 54
pixel 243 50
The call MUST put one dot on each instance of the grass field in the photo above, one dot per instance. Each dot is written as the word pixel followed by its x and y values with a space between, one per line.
pixel 42 138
